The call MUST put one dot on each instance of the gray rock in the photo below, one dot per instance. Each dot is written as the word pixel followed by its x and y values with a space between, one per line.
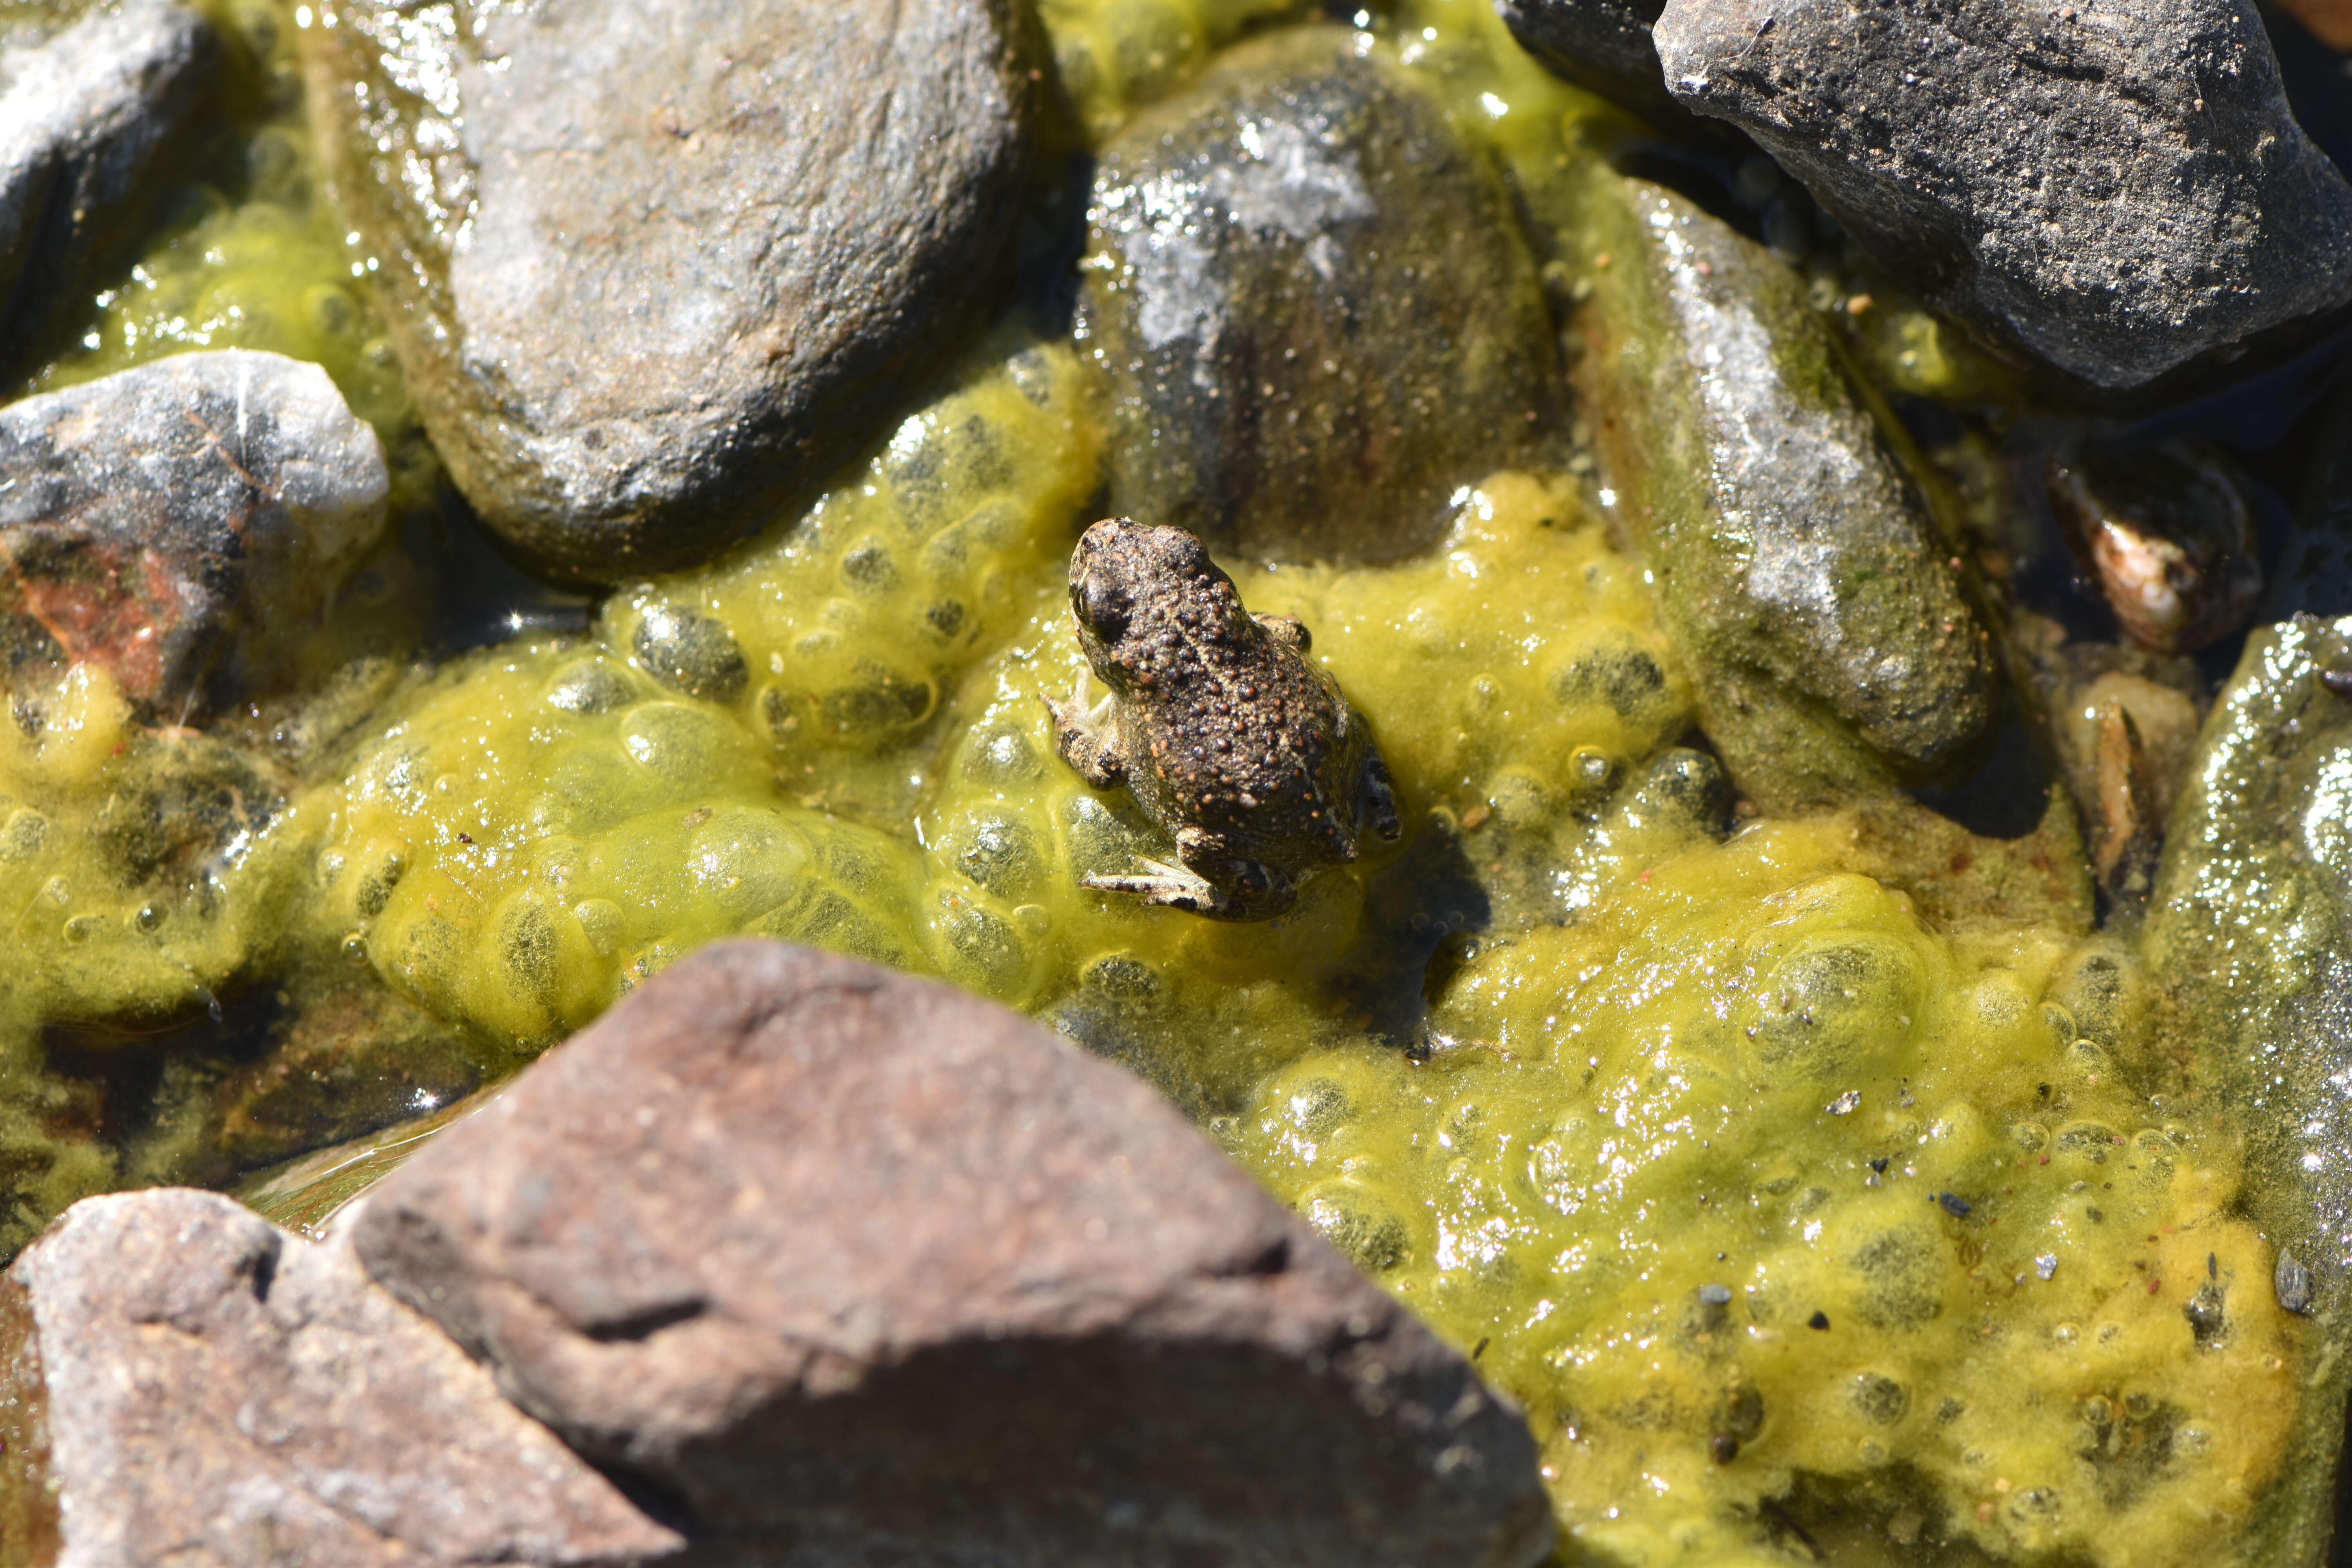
pixel 1313 307
pixel 97 117
pixel 1797 564
pixel 185 524
pixel 658 267
pixel 187 1384
pixel 873 1270
pixel 2114 190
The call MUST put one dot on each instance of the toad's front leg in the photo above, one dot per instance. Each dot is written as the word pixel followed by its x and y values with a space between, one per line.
pixel 1089 737
pixel 1212 881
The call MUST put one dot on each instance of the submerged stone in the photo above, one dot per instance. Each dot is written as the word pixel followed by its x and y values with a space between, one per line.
pixel 1797 563
pixel 2112 190
pixel 2250 930
pixel 873 1265
pixel 97 117
pixel 183 525
pixel 656 269
pixel 1311 303
pixel 180 1381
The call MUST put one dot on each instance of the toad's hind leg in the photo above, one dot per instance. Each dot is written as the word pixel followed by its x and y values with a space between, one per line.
pixel 1212 881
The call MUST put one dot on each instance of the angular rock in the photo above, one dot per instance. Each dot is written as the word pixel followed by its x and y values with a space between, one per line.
pixel 180 1381
pixel 658 266
pixel 865 1265
pixel 97 117
pixel 1313 307
pixel 2250 929
pixel 2114 190
pixel 1604 47
pixel 1797 564
pixel 184 524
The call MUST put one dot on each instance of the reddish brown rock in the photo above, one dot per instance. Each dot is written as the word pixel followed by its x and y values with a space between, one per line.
pixel 181 523
pixel 860 1268
pixel 182 1383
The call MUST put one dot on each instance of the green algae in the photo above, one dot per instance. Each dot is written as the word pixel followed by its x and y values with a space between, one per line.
pixel 1566 1064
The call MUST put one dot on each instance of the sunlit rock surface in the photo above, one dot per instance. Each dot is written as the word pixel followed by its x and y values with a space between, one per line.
pixel 1795 559
pixel 181 1381
pixel 654 265
pixel 2111 189
pixel 856 1262
pixel 1312 309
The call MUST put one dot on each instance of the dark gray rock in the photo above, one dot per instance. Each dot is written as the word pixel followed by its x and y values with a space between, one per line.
pixel 1797 564
pixel 1604 47
pixel 870 1270
pixel 97 117
pixel 1313 306
pixel 184 524
pixel 2112 190
pixel 2249 935
pixel 658 267
pixel 180 1381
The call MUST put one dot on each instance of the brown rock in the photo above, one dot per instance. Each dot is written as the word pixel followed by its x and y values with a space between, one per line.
pixel 180 1381
pixel 875 1268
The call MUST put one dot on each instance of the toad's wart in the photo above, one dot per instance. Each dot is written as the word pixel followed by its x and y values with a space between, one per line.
pixel 1227 737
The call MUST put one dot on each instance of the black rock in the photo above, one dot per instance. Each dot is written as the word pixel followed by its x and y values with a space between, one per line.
pixel 184 524
pixel 1313 306
pixel 2112 191
pixel 658 267
pixel 96 120
pixel 1604 47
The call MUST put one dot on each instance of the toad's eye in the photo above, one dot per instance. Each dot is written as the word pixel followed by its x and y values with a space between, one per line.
pixel 1104 608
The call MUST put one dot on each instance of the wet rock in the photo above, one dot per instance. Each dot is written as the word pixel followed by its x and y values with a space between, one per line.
pixel 2166 532
pixel 821 1249
pixel 2314 571
pixel 1797 564
pixel 184 524
pixel 2113 191
pixel 181 1381
pixel 348 1055
pixel 659 266
pixel 97 117
pixel 1313 307
pixel 2250 943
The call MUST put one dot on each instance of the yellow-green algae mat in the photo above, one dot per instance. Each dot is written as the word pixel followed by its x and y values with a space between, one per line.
pixel 1810 1211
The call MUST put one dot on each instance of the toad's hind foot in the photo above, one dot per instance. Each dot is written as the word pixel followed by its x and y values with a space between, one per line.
pixel 1257 893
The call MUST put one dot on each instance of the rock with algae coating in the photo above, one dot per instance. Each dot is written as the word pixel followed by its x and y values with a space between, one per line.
pixel 1797 563
pixel 654 267
pixel 825 1250
pixel 2250 927
pixel 180 1381
pixel 1313 307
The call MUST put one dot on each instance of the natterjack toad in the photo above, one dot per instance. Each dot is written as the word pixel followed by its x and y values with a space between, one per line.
pixel 1227 736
